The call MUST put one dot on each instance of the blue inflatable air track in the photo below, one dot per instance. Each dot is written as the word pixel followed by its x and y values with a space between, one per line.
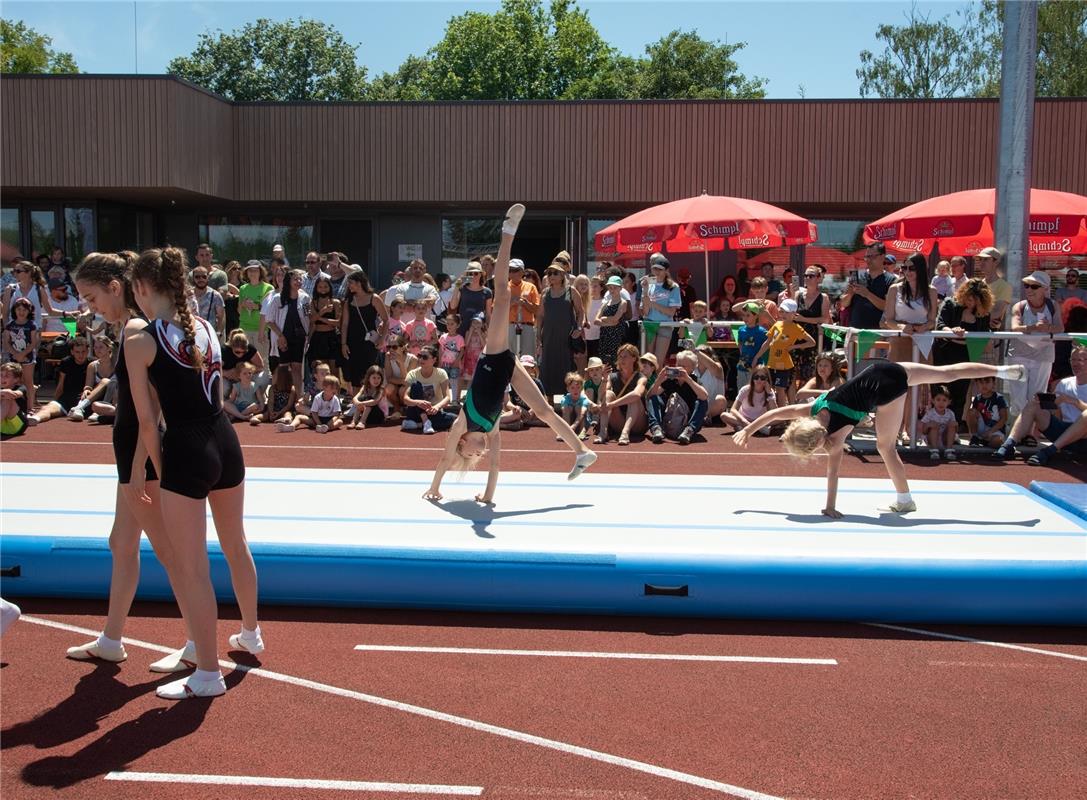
pixel 1069 496
pixel 606 544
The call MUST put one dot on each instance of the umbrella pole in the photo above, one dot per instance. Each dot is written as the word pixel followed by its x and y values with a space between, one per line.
pixel 706 253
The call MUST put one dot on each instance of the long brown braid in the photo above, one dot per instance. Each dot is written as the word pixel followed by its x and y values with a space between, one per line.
pixel 165 270
pixel 101 269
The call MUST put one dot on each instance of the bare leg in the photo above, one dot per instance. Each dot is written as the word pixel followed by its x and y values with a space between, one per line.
pixel 124 547
pixel 918 374
pixel 498 339
pixel 888 424
pixel 188 535
pixel 226 510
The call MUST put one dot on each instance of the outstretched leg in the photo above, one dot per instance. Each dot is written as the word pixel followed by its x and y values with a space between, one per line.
pixel 529 392
pixel 498 340
pixel 918 374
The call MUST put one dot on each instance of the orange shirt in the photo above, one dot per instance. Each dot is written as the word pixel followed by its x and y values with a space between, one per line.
pixel 528 292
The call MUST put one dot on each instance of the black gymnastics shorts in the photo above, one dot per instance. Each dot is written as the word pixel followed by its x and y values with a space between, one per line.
pixel 125 440
pixel 201 457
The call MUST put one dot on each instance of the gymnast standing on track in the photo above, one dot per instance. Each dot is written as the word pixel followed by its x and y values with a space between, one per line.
pixel 879 389
pixel 476 427
pixel 103 282
pixel 198 458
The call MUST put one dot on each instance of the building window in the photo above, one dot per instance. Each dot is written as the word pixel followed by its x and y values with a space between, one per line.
pixel 464 239
pixel 11 240
pixel 122 228
pixel 241 238
pixel 43 233
pixel 80 236
pixel 846 235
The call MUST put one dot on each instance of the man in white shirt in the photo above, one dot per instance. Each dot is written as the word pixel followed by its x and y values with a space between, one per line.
pixel 63 301
pixel 313 271
pixel 414 288
pixel 209 303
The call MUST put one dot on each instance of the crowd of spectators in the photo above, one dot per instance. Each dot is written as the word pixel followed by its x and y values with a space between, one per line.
pixel 623 355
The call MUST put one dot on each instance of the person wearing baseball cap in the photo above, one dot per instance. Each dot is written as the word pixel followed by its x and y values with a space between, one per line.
pixel 524 300
pixel 989 260
pixel 1034 315
pixel 251 296
pixel 783 337
pixel 610 317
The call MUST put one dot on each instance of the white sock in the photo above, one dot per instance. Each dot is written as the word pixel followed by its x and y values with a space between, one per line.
pixel 1009 370
pixel 250 634
pixel 105 641
pixel 905 497
pixel 207 675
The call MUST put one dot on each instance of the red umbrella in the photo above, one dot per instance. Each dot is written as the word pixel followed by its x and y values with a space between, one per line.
pixel 962 223
pixel 704 223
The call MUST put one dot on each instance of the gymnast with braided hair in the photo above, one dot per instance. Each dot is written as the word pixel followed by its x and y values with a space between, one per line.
pixel 199 461
pixel 880 389
pixel 476 428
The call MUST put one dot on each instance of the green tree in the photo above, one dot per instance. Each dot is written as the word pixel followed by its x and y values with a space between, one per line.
pixel 683 65
pixel 296 60
pixel 1061 68
pixel 24 50
pixel 923 60
pixel 409 82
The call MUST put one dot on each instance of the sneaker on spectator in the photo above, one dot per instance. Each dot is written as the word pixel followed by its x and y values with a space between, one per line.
pixel 950 454
pixel 1043 456
pixel 686 436
pixel 93 418
pixel 409 425
pixel 1004 452
pixel 976 441
pixel 322 429
pixel 75 415
pixel 656 434
pixel 285 427
pixel 934 454
pixel 428 427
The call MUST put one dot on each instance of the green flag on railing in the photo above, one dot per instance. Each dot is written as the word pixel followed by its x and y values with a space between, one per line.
pixel 865 340
pixel 1080 340
pixel 836 335
pixel 696 331
pixel 650 328
pixel 975 346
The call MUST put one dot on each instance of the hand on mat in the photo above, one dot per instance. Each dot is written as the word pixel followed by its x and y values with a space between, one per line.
pixel 432 494
pixel 833 513
pixel 741 437
pixel 482 498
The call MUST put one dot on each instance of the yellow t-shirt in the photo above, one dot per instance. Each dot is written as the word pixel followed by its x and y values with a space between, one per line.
pixel 783 335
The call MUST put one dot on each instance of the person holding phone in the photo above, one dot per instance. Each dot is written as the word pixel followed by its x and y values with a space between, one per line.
pixel 677 383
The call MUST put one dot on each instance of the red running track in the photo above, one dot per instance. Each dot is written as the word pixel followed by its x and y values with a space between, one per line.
pixel 899 715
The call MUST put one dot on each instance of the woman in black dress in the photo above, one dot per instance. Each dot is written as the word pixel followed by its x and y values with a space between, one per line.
pixel 881 390
pixel 610 319
pixel 558 318
pixel 365 323
pixel 812 309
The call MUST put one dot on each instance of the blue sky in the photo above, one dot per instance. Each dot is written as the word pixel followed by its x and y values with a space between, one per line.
pixel 814 44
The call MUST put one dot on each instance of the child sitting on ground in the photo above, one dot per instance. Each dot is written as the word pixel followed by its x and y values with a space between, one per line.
pixel 939 426
pixel 594 390
pixel 324 410
pixel 371 406
pixel 987 416
pixel 575 405
pixel 12 401
pixel 246 399
pixel 71 381
pixel 398 363
pixel 528 416
pixel 752 401
pixel 451 348
pixel 281 399
pixel 828 375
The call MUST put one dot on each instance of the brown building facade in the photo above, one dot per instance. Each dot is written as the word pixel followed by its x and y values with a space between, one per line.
pixel 106 162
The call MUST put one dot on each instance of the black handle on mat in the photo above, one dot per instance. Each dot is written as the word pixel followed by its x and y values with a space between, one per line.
pixel 665 591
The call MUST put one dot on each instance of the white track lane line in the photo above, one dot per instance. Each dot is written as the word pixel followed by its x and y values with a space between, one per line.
pixel 295 445
pixel 478 651
pixel 295 783
pixel 977 641
pixel 453 719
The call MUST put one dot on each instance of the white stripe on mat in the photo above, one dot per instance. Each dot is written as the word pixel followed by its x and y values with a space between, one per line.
pixel 294 783
pixel 479 651
pixel 464 722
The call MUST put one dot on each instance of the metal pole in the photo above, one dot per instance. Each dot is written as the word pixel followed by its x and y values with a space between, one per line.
pixel 1016 142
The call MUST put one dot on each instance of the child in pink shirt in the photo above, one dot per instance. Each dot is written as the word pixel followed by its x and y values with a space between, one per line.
pixel 451 348
pixel 421 331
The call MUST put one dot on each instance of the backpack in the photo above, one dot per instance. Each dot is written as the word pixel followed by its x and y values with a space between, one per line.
pixel 676 414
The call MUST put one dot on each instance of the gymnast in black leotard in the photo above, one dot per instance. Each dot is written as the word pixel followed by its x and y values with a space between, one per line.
pixel 880 389
pixel 476 429
pixel 198 458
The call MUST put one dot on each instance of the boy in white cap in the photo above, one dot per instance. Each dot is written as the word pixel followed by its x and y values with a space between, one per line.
pixel 783 337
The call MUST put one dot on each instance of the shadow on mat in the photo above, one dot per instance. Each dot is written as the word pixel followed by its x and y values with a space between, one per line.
pixel 890 520
pixel 118 747
pixel 483 515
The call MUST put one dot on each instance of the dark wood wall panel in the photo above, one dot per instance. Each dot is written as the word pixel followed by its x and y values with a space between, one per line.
pixel 159 133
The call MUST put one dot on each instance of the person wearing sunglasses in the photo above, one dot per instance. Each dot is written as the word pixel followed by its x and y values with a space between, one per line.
pixel 1033 317
pixel 752 401
pixel 476 430
pixel 1071 290
pixel 881 390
